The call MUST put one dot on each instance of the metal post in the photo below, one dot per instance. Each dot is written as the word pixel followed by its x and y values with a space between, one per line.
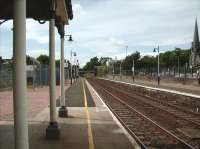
pixel 74 72
pixel 71 69
pixel 52 72
pixel 120 70
pixel 178 66
pixel 113 70
pixel 77 71
pixel 126 51
pixel 158 50
pixel 125 59
pixel 185 71
pixel 174 71
pixel 62 73
pixel 40 75
pixel 19 86
pixel 52 131
pixel 62 111
pixel 68 72
pixel 133 69
pixel 192 72
pixel 158 66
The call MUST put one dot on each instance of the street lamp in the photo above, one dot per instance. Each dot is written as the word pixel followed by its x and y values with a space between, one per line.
pixel 158 50
pixel 70 40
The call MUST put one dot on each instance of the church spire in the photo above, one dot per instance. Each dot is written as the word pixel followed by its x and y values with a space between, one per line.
pixel 196 33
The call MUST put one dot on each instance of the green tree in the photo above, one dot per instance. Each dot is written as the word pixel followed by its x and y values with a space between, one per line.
pixel 58 63
pixel 92 64
pixel 29 60
pixel 128 62
pixel 43 59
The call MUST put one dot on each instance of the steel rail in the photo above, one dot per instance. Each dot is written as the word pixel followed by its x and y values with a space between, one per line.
pixel 143 146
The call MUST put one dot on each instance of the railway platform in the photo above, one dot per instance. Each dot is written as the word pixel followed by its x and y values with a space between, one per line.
pixel 90 125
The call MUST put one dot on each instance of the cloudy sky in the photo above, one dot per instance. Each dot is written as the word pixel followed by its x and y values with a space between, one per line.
pixel 105 27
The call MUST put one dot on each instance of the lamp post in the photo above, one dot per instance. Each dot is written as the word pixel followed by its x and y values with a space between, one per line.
pixel 120 70
pixel 70 40
pixel 71 67
pixel 74 75
pixel 179 65
pixel 63 112
pixel 113 71
pixel 185 71
pixel 71 72
pixel 158 50
pixel 125 58
pixel 77 69
pixel 67 71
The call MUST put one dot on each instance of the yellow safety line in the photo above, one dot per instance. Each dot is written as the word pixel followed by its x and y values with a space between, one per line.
pixel 90 136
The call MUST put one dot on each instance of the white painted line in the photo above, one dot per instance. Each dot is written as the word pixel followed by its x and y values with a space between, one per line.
pixel 130 138
pixel 154 88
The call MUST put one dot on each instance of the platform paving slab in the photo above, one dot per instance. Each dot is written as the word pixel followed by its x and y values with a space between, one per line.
pixel 74 96
pixel 37 100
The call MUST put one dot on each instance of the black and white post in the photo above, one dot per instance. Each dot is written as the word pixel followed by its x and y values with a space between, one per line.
pixel 158 50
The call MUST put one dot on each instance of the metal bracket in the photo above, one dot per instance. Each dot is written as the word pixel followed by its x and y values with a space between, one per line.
pixel 41 21
pixel 3 21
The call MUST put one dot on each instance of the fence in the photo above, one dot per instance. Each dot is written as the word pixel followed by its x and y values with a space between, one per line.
pixel 175 72
pixel 38 76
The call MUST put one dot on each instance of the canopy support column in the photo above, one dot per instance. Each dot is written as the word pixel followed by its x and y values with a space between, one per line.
pixel 19 86
pixel 53 130
pixel 63 110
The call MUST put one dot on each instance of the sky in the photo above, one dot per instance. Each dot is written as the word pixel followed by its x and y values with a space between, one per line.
pixel 105 27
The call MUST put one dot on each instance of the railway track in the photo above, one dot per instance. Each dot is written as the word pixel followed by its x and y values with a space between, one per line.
pixel 176 110
pixel 145 119
pixel 186 104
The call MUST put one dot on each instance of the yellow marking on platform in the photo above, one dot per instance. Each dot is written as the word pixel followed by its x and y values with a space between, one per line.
pixel 90 136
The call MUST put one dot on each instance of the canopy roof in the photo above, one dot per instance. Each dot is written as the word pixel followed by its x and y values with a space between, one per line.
pixel 39 10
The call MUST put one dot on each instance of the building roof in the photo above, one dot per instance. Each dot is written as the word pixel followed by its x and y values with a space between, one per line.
pixel 196 33
pixel 39 10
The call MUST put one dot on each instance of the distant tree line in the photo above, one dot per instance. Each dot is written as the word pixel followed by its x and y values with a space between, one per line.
pixel 44 60
pixel 177 57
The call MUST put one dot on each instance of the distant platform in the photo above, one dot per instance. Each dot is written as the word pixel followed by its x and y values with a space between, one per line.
pixel 90 125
